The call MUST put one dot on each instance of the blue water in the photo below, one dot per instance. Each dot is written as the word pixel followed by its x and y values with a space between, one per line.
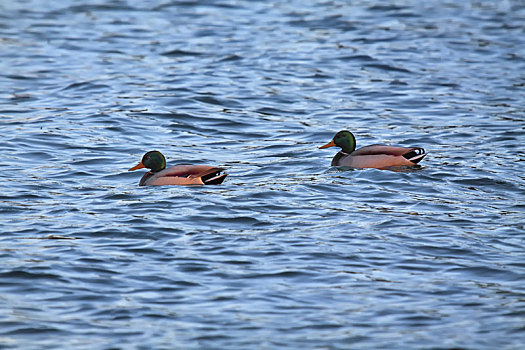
pixel 288 252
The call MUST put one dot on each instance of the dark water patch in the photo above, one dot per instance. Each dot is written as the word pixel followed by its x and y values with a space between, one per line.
pixel 215 101
pixel 230 58
pixel 85 86
pixel 360 58
pixel 387 67
pixel 59 237
pixel 327 22
pixel 33 330
pixel 483 272
pixel 181 53
pixel 14 275
pixel 489 183
pixel 279 274
pixel 237 262
pixel 20 77
pixel 387 8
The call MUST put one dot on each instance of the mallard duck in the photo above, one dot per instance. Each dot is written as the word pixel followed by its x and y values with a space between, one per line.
pixel 373 156
pixel 176 175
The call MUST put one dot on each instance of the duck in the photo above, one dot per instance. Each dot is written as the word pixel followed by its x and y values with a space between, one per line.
pixel 373 156
pixel 183 174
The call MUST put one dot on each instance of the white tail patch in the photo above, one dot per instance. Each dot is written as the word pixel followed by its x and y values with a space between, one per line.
pixel 416 159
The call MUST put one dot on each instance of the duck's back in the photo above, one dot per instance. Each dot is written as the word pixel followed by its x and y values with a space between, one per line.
pixel 184 175
pixel 379 156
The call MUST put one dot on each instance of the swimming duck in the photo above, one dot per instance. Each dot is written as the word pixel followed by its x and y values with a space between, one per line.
pixel 178 174
pixel 373 156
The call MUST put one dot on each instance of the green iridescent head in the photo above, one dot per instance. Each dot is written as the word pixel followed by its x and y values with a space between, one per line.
pixel 153 160
pixel 344 139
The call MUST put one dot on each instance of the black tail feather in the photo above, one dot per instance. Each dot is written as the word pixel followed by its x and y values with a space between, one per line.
pixel 416 155
pixel 214 178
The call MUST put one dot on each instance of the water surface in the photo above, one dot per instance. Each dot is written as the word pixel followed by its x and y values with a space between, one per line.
pixel 288 252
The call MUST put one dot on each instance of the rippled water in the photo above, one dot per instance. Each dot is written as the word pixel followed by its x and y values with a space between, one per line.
pixel 288 252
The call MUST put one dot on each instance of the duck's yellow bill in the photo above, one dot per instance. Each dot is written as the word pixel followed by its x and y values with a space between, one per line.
pixel 329 144
pixel 138 166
